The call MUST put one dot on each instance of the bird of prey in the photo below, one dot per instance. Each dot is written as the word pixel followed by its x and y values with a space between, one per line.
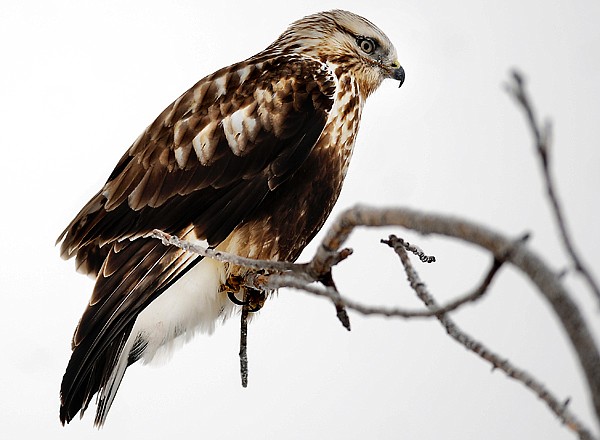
pixel 250 160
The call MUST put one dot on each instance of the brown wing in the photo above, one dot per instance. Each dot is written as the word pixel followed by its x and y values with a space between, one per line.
pixel 206 163
pixel 254 121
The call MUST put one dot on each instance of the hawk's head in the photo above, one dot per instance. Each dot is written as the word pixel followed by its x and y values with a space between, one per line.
pixel 347 41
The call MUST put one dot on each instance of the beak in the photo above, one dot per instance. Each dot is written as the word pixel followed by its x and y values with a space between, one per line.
pixel 397 73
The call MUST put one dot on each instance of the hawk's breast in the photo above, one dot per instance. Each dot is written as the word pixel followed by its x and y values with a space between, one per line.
pixel 293 213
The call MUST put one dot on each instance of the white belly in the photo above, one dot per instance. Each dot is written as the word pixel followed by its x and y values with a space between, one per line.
pixel 193 303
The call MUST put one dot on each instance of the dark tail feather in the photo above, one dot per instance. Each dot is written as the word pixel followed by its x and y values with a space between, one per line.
pixel 88 372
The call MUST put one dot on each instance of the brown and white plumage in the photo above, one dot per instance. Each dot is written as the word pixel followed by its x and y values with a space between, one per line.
pixel 250 160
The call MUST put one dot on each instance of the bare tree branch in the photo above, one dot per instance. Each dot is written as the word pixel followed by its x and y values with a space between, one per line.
pixel 557 407
pixel 293 277
pixel 541 137
pixel 299 276
pixel 531 264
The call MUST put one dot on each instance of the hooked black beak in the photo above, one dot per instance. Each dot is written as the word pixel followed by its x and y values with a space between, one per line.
pixel 398 74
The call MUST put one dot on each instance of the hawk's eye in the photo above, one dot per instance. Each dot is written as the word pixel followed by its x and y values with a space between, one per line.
pixel 366 44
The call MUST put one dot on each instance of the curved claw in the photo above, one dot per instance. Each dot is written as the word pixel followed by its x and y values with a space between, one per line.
pixel 246 303
pixel 234 300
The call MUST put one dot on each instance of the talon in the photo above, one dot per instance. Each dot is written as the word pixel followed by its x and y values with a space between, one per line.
pixel 254 298
pixel 234 299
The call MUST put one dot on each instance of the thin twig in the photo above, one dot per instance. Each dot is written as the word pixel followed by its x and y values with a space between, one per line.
pixel 542 140
pixel 340 308
pixel 397 241
pixel 244 342
pixel 226 257
pixel 557 407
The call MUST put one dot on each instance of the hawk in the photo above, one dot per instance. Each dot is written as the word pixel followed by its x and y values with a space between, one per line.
pixel 250 161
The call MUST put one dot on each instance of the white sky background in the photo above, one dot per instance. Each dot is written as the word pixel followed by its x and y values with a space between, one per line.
pixel 80 81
